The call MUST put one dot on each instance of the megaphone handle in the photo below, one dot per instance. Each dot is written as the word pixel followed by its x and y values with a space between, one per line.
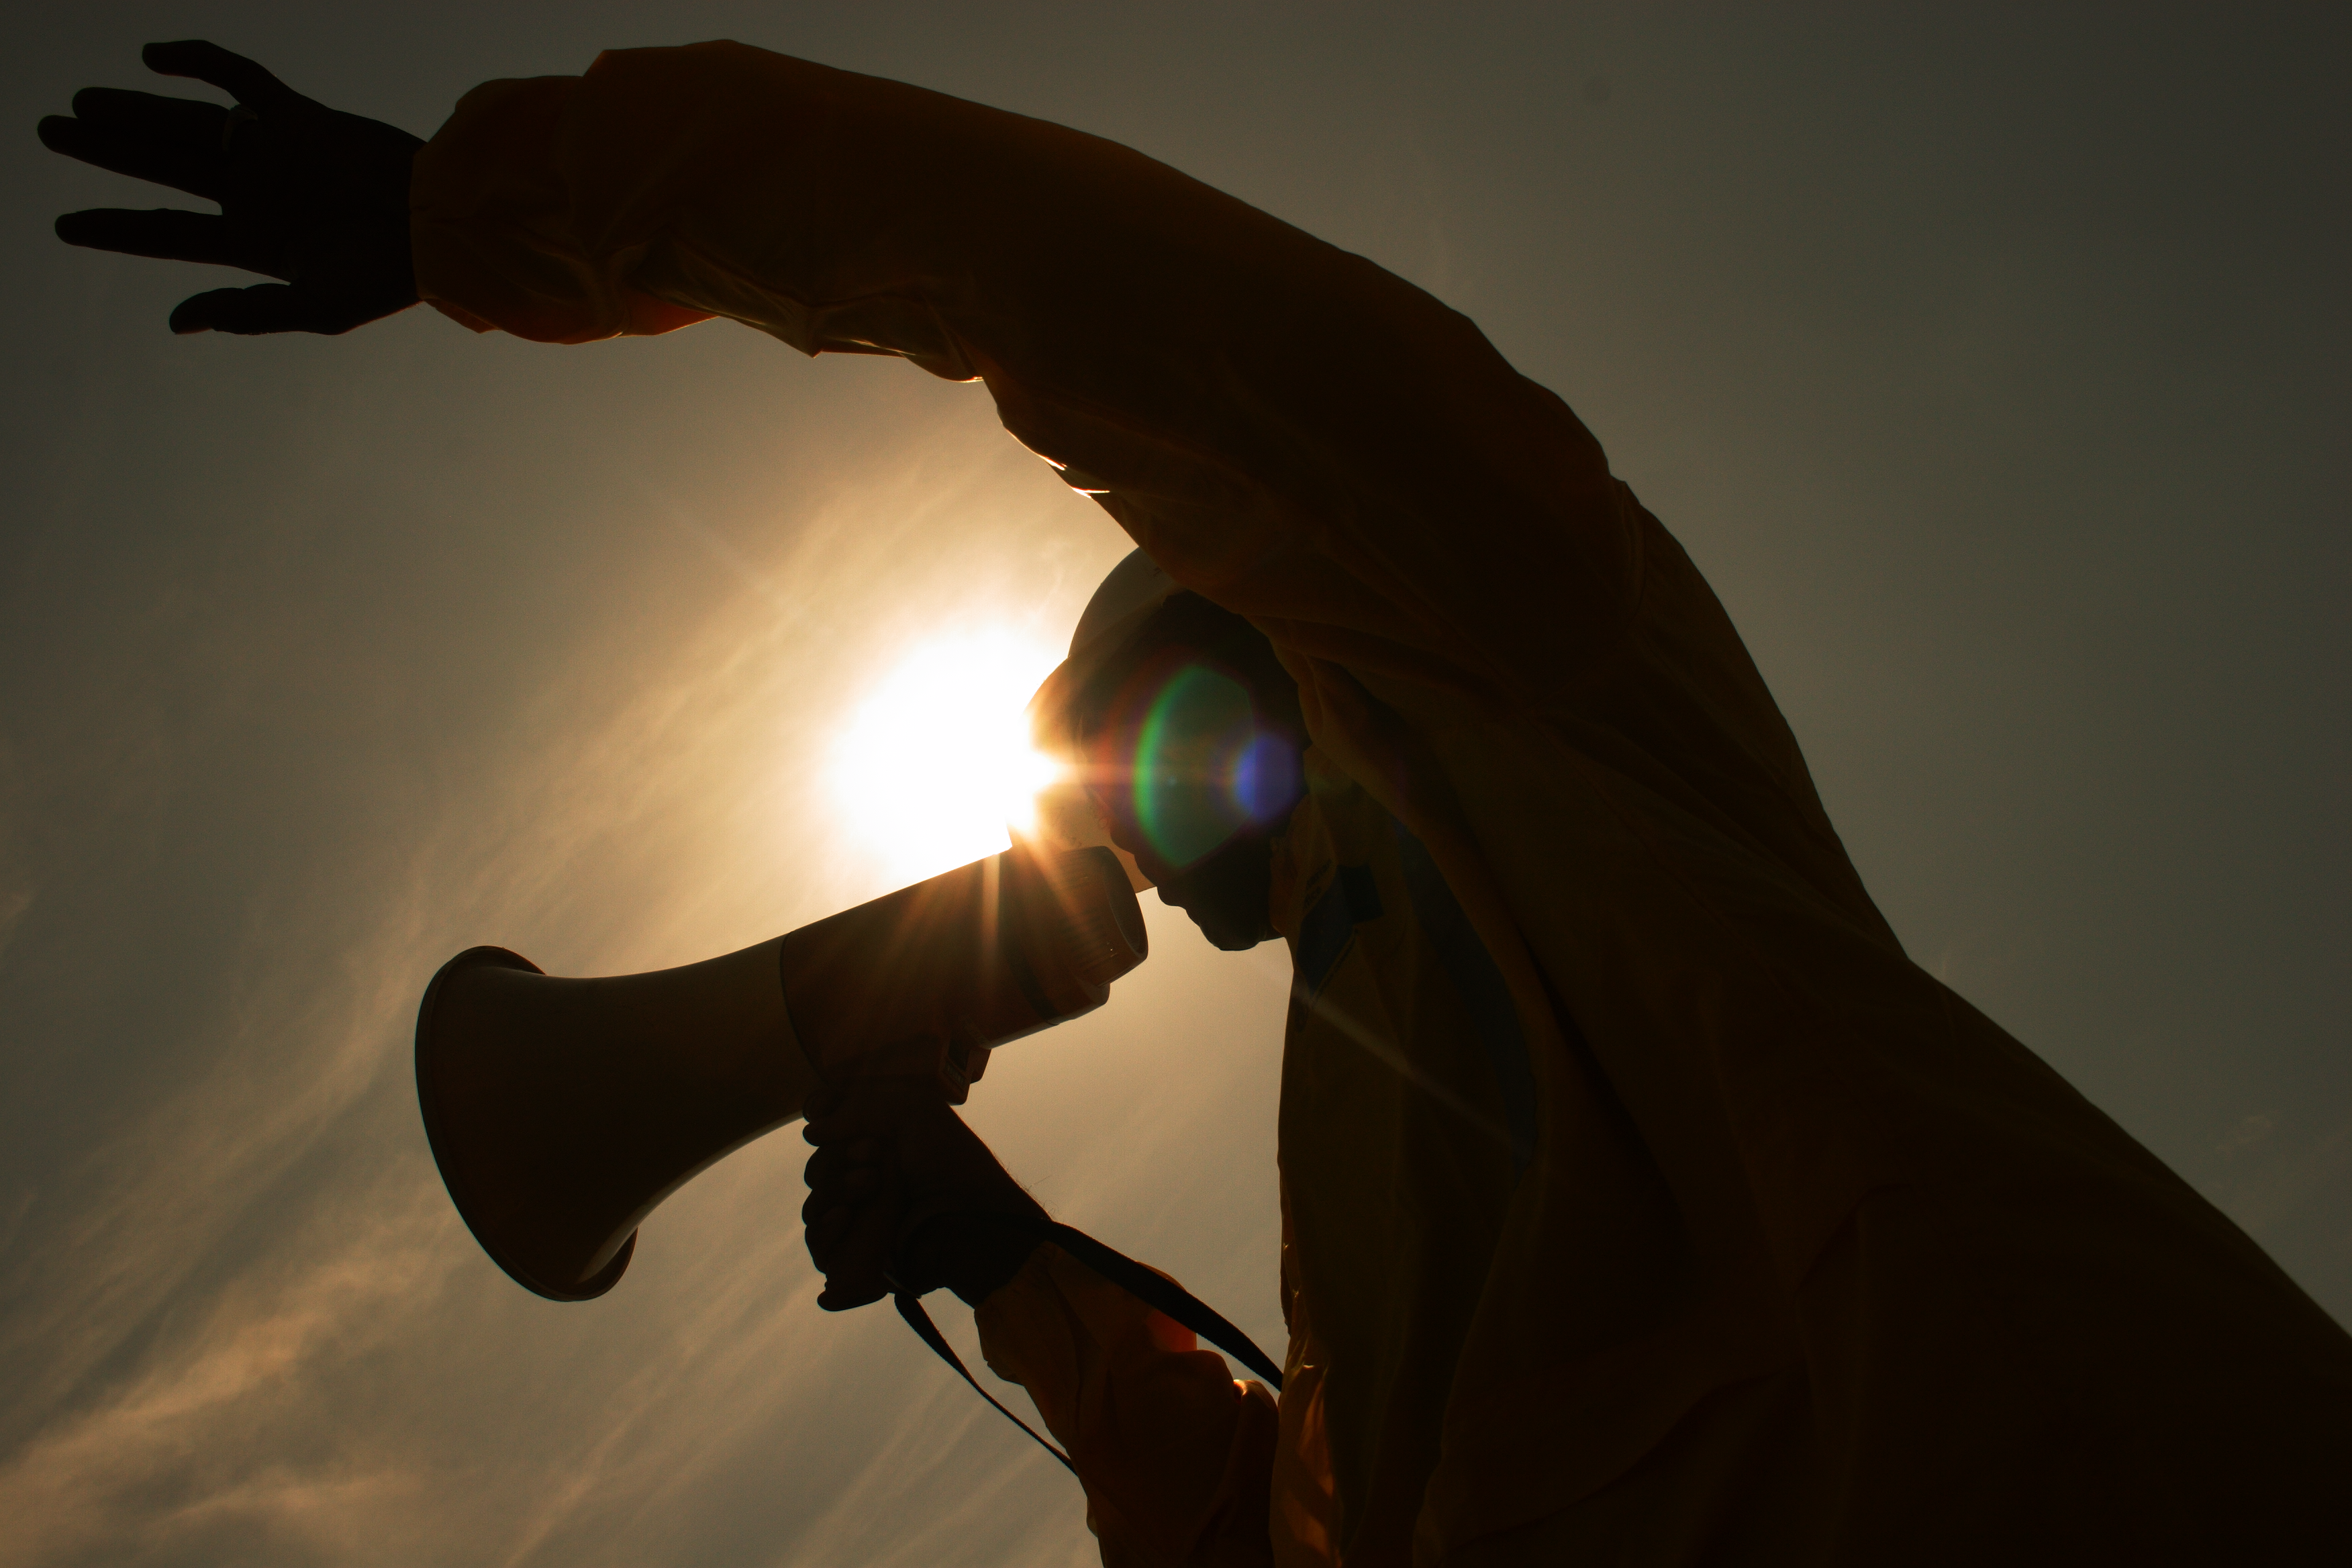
pixel 920 1321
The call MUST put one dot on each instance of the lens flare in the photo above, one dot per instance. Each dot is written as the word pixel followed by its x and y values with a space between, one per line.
pixel 935 762
pixel 1201 769
pixel 1266 778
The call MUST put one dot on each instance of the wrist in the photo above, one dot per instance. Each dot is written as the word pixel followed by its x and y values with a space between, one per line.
pixel 991 1273
pixel 973 1253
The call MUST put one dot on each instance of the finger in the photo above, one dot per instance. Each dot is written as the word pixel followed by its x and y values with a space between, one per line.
pixel 233 74
pixel 194 169
pixel 851 1191
pixel 838 1246
pixel 821 1100
pixel 863 1292
pixel 856 1266
pixel 169 234
pixel 252 312
pixel 846 1187
pixel 824 1234
pixel 851 1185
pixel 189 121
pixel 834 1159
pixel 873 1107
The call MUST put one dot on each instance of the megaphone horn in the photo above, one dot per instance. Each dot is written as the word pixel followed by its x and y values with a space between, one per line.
pixel 562 1111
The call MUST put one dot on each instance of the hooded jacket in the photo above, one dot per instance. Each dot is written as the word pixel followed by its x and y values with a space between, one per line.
pixel 1807 1261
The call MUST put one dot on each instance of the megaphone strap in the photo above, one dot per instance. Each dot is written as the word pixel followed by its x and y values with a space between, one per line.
pixel 929 1331
pixel 1155 1290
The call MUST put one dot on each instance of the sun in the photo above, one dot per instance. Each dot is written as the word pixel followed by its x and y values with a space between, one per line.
pixel 935 762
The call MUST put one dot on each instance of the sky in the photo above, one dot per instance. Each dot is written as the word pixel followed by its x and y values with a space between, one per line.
pixel 1990 361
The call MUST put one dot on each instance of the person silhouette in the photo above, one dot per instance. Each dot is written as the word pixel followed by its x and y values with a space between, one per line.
pixel 1644 1202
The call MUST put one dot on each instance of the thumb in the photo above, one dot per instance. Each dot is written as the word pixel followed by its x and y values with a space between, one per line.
pixel 242 78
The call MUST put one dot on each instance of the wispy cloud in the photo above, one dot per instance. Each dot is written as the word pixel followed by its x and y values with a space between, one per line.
pixel 245 1323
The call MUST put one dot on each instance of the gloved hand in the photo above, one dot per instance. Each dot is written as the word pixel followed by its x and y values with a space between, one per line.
pixel 902 1197
pixel 308 194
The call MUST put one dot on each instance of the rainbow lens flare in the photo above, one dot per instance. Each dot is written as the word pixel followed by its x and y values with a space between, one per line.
pixel 1203 770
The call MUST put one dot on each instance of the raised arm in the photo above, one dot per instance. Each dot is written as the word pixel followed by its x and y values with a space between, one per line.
pixel 1302 436
pixel 1295 432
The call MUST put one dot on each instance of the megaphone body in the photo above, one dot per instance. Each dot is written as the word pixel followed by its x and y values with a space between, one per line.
pixel 561 1111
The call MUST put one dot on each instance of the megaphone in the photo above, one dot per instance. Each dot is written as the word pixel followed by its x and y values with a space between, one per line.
pixel 561 1111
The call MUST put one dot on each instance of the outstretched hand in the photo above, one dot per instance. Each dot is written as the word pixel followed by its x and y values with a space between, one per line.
pixel 308 194
pixel 902 1195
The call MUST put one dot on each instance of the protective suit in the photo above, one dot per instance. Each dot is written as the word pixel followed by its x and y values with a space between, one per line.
pixel 1778 1251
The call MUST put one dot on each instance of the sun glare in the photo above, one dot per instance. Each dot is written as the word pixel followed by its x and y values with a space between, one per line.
pixel 936 761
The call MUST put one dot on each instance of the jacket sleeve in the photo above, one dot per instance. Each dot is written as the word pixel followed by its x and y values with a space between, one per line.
pixel 1290 430
pixel 1176 1458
